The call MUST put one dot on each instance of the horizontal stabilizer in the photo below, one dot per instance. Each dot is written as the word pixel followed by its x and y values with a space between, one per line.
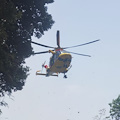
pixel 44 74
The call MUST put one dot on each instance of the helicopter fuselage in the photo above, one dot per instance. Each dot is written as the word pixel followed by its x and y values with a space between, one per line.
pixel 60 65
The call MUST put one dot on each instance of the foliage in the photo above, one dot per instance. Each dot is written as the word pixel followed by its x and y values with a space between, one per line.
pixel 19 21
pixel 101 115
pixel 115 109
pixel 3 103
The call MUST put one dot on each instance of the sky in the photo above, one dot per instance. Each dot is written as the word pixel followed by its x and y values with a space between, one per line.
pixel 92 83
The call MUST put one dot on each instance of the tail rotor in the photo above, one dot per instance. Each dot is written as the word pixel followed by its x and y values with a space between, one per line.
pixel 43 66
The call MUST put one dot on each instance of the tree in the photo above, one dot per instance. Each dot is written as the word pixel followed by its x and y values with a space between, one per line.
pixel 101 115
pixel 19 21
pixel 115 109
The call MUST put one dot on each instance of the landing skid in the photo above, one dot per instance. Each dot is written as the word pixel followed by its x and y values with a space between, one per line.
pixel 65 76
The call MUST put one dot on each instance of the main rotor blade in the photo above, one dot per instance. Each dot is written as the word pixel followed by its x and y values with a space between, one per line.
pixel 58 38
pixel 41 52
pixel 80 54
pixel 41 45
pixel 77 53
pixel 82 44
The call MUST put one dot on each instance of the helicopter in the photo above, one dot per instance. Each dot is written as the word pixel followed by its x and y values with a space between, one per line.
pixel 60 62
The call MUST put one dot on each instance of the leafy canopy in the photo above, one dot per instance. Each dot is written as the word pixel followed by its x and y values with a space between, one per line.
pixel 115 109
pixel 19 21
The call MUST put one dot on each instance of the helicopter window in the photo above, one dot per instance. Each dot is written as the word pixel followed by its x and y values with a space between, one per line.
pixel 54 57
pixel 58 53
pixel 51 61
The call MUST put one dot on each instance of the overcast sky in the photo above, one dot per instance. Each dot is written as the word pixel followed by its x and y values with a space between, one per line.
pixel 92 83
